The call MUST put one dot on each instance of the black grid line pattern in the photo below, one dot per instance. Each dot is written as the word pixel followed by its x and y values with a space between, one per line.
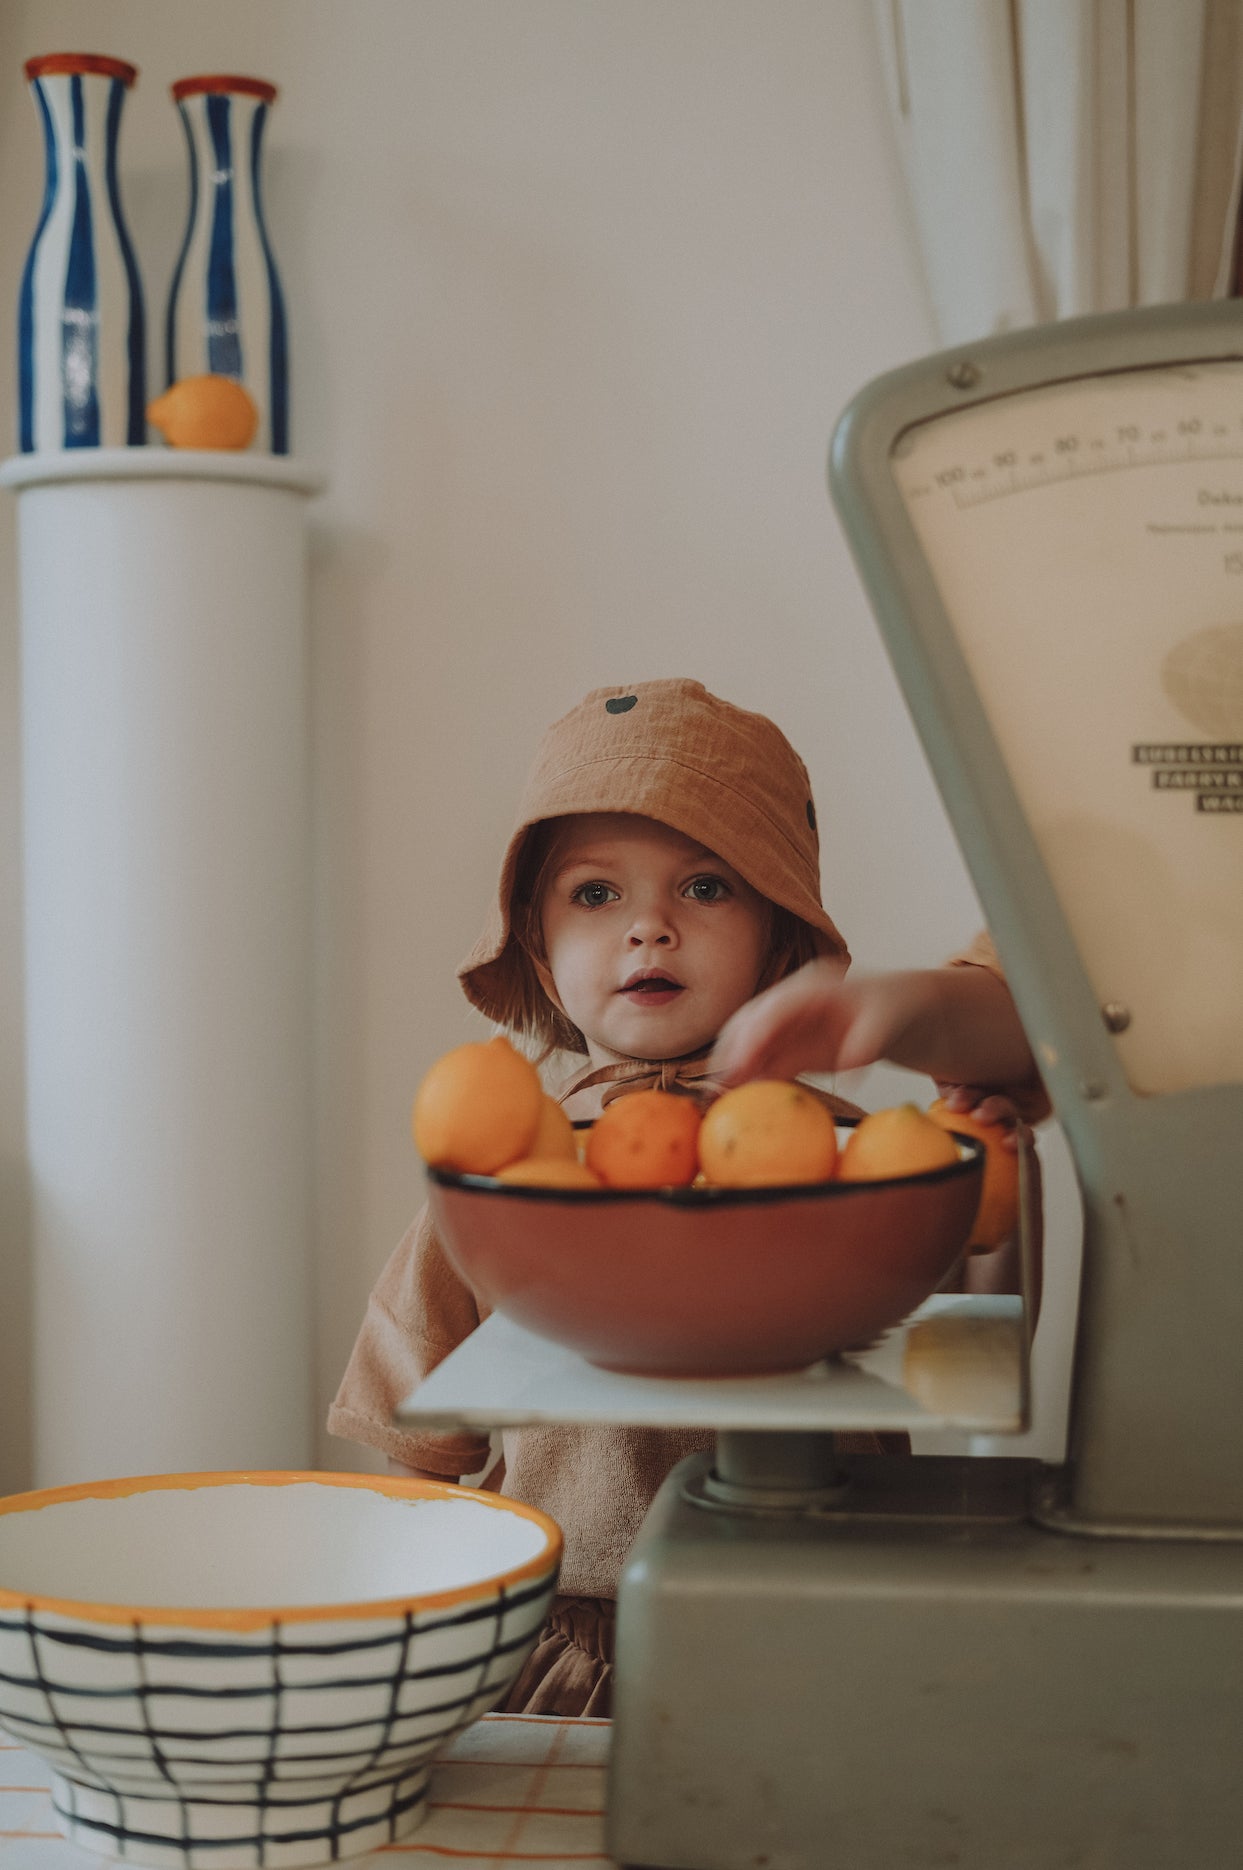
pixel 143 1688
pixel 385 1742
pixel 288 1835
pixel 291 1745
pixel 268 1774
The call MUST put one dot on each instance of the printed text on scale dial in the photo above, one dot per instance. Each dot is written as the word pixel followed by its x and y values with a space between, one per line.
pixel 1159 420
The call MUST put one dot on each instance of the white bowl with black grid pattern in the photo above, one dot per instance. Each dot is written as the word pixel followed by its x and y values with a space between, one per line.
pixel 227 1670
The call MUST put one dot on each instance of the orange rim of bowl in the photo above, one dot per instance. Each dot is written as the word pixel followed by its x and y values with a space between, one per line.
pixel 715 1195
pixel 60 64
pixel 217 82
pixel 257 1618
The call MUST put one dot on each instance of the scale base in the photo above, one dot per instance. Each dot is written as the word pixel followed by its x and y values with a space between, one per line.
pixel 918 1674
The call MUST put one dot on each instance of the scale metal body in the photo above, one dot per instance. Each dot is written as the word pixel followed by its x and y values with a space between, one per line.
pixel 974 1662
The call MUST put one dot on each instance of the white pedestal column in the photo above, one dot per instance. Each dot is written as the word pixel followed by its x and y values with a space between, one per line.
pixel 167 914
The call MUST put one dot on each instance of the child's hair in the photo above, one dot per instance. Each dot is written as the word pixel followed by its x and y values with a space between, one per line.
pixel 668 751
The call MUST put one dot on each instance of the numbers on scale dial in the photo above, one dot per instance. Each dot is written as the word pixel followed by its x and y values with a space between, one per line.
pixel 1068 454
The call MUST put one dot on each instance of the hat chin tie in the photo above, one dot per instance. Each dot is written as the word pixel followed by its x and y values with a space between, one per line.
pixel 683 1077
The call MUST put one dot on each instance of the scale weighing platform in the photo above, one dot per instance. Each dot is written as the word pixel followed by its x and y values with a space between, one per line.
pixel 957 1363
pixel 997 1664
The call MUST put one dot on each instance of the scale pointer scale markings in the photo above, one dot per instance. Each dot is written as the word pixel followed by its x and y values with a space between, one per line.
pixel 1186 438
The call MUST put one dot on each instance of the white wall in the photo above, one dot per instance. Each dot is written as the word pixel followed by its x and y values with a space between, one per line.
pixel 577 291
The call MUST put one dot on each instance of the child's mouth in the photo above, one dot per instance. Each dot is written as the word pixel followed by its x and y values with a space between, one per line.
pixel 650 989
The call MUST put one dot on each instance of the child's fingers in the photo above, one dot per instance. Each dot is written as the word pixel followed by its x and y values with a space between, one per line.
pixel 787 1029
pixel 986 1107
pixel 747 1043
pixel 996 1109
pixel 1001 1112
pixel 973 1100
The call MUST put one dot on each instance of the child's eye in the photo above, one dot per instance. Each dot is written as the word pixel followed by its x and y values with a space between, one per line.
pixel 594 895
pixel 707 889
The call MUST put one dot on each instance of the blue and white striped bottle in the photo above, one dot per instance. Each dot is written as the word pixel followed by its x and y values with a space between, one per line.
pixel 81 346
pixel 226 310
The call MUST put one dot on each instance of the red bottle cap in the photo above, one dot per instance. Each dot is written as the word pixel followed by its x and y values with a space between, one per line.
pixel 54 64
pixel 217 82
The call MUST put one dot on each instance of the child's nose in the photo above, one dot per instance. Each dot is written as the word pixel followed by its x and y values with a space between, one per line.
pixel 650 927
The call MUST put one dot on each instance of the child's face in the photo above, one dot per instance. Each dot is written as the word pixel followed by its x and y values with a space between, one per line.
pixel 651 941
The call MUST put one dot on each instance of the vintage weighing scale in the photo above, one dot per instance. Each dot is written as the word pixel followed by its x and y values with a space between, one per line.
pixel 997 1664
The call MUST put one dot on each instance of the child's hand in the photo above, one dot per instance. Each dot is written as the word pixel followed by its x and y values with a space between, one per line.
pixel 987 1107
pixel 817 1020
pixel 810 1021
pixel 1001 1271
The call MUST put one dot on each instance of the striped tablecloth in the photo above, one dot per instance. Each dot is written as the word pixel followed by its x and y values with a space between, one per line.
pixel 513 1789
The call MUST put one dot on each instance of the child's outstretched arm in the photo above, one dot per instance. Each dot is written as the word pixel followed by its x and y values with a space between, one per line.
pixel 957 1024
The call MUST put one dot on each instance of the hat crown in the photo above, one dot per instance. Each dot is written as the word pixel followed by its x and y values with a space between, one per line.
pixel 676 723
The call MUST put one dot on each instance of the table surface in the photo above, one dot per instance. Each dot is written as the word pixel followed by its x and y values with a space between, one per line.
pixel 514 1788
pixel 957 1362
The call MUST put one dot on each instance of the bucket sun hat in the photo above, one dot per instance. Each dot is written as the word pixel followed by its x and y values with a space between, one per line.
pixel 667 750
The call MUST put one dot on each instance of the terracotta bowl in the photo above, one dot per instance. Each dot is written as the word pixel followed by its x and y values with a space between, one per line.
pixel 256 1669
pixel 709 1281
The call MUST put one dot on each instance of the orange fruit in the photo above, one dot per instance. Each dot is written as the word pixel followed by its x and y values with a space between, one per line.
pixel 549 1172
pixel 998 1213
pixel 554 1134
pixel 902 1140
pixel 477 1108
pixel 205 412
pixel 767 1133
pixel 645 1140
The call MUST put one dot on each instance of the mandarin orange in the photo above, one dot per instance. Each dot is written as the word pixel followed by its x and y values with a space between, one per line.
pixel 205 412
pixel 766 1133
pixel 998 1213
pixel 554 1134
pixel 645 1140
pixel 477 1108
pixel 549 1172
pixel 902 1140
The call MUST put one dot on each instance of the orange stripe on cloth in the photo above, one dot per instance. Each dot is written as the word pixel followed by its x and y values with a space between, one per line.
pixel 537 1786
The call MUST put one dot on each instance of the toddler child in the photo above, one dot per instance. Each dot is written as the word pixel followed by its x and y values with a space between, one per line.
pixel 665 870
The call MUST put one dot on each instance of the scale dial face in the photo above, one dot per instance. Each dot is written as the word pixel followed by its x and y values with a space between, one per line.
pixel 1086 539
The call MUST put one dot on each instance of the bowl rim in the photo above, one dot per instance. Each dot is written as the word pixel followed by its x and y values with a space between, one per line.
pixel 686 1195
pixel 258 1617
